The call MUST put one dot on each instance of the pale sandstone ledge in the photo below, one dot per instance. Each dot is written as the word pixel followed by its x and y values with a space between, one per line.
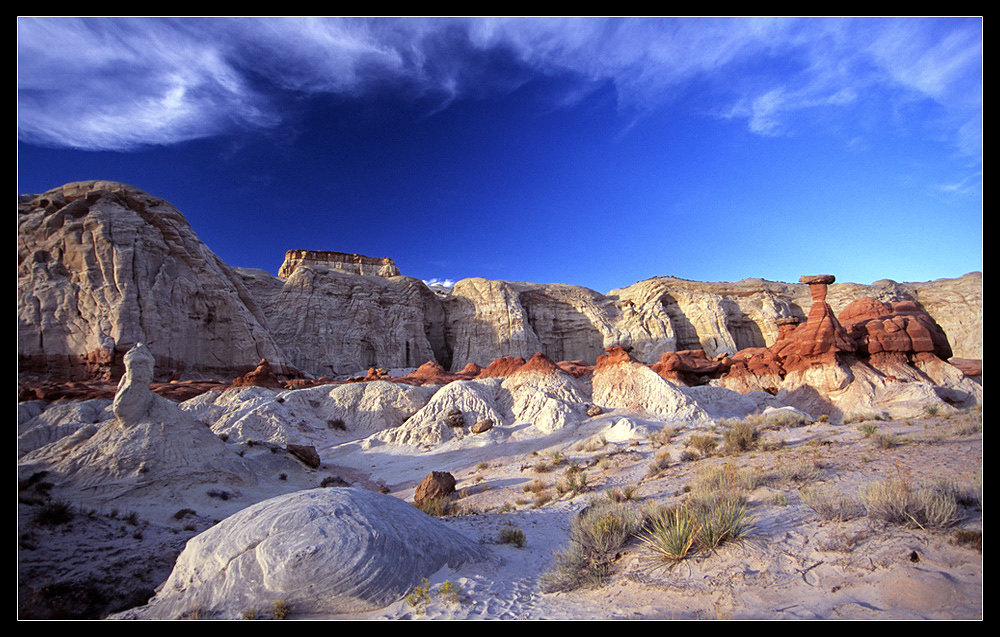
pixel 354 263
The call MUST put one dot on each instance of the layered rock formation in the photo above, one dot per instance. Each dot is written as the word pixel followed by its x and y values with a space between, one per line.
pixel 332 320
pixel 102 266
pixel 881 356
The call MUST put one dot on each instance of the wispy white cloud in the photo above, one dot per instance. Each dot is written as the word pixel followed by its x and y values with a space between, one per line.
pixel 122 83
pixel 448 283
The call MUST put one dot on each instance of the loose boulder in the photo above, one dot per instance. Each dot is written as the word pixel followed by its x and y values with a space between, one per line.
pixel 437 484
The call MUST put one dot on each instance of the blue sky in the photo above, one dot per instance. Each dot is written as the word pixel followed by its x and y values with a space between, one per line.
pixel 596 152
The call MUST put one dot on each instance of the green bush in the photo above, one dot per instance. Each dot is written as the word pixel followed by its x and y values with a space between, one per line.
pixel 511 535
pixel 596 537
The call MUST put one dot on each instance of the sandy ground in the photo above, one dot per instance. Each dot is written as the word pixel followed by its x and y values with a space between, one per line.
pixel 793 565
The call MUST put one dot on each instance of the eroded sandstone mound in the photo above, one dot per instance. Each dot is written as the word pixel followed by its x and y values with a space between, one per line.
pixel 151 446
pixel 323 551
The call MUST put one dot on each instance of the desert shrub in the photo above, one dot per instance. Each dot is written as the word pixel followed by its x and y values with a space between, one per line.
pixel 419 597
pixel 727 478
pixel 541 499
pixel 450 592
pixel 932 410
pixel 281 609
pixel 663 436
pixel 799 471
pixel 659 464
pixel 671 534
pixel 868 429
pixel 863 417
pixel 720 517
pixel 535 486
pixel 741 436
pixel 54 513
pixel 705 445
pixel 892 501
pixel 886 440
pixel 336 424
pixel 575 483
pixel 621 494
pixel 596 537
pixel 437 507
pixel 511 535
pixel 830 504
pixel 183 513
pixel 333 481
pixel 972 539
pixel 703 522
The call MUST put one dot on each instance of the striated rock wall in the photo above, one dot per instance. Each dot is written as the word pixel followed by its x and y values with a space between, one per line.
pixel 103 266
pixel 332 322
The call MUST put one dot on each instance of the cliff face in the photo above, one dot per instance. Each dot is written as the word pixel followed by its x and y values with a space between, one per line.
pixel 332 322
pixel 102 266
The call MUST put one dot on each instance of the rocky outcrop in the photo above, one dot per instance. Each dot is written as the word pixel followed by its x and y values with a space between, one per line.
pixel 103 266
pixel 352 263
pixel 882 356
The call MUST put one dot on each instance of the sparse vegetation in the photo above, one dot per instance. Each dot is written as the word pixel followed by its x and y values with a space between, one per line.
pixel 621 494
pixel 281 609
pixel 829 504
pixel 868 429
pixel 671 534
pixel 885 440
pixel 438 507
pixel 972 539
pixel 596 537
pixel 419 597
pixel 54 513
pixel 704 445
pixel 575 483
pixel 713 514
pixel 510 534
pixel 863 417
pixel 659 464
pixel 740 437
pixel 422 595
pixel 895 501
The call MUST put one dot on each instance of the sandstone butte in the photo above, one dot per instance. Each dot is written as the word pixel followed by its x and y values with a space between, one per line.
pixel 89 251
